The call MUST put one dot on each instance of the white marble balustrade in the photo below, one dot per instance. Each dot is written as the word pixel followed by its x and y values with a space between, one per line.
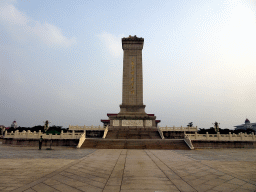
pixel 36 135
pixel 178 128
pixel 77 128
pixel 222 137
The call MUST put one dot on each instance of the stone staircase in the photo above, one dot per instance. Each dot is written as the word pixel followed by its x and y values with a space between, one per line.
pixel 133 133
pixel 135 144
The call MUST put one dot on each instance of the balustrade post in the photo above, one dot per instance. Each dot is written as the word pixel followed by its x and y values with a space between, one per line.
pixel 195 135
pixel 253 137
pixel 207 136
pixel 39 133
pixel 218 135
pixel 15 133
pixel 5 133
pixel 73 134
pixel 230 136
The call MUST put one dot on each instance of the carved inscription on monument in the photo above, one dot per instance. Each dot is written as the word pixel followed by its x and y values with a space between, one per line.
pixel 132 123
pixel 132 76
pixel 115 122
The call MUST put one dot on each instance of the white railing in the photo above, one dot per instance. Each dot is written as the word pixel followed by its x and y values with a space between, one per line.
pixel 84 128
pixel 36 135
pixel 178 128
pixel 222 137
pixel 188 142
pixel 160 133
pixel 105 132
pixel 81 140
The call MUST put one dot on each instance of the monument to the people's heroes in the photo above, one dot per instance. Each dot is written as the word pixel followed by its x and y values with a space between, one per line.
pixel 132 110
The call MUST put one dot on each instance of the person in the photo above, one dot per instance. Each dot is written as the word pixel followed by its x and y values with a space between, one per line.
pixel 40 142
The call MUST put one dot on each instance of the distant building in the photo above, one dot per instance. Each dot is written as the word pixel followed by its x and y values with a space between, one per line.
pixel 247 125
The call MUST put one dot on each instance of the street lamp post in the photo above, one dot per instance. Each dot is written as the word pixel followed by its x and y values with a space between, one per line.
pixel 46 125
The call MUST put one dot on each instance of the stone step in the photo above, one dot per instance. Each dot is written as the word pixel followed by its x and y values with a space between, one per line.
pixel 135 144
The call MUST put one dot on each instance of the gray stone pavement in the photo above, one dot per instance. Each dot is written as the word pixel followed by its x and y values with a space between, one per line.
pixel 68 169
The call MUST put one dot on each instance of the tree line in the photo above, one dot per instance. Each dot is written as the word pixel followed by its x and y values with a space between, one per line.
pixel 211 130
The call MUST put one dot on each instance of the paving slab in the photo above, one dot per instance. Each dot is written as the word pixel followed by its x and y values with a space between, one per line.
pixel 126 170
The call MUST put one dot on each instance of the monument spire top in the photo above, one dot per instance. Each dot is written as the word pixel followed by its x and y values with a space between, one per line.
pixel 131 38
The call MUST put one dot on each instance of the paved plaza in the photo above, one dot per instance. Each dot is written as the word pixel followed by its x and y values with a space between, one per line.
pixel 109 170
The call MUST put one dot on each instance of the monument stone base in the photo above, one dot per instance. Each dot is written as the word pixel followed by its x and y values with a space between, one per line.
pixel 130 126
pixel 131 120
pixel 132 123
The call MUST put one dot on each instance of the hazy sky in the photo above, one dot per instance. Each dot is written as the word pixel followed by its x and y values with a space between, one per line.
pixel 62 60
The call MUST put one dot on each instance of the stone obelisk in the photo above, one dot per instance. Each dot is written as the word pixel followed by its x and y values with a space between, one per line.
pixel 132 110
pixel 132 95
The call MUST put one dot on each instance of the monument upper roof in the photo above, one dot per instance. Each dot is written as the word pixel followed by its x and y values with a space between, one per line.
pixel 132 38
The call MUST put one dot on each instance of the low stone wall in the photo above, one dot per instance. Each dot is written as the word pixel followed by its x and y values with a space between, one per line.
pixel 35 142
pixel 203 144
